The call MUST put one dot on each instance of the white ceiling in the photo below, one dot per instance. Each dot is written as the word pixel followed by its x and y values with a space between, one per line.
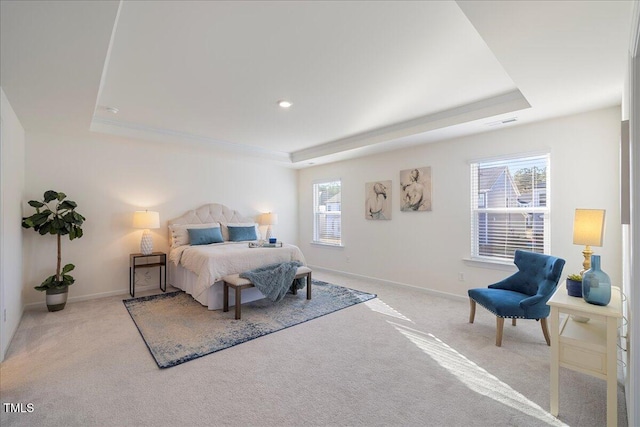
pixel 364 77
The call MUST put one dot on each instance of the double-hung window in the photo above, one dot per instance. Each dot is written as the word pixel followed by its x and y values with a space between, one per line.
pixel 327 212
pixel 510 207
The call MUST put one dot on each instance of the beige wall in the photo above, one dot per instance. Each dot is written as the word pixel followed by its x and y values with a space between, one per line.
pixel 427 249
pixel 109 178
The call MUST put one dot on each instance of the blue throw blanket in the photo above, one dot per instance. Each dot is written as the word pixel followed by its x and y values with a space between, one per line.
pixel 274 280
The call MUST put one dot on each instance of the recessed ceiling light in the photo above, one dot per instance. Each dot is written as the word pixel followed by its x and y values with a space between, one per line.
pixel 112 110
pixel 284 104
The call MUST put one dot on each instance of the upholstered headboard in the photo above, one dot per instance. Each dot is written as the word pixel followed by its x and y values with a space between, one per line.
pixel 213 212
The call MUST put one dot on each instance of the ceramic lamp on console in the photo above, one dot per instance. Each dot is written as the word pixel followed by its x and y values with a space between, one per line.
pixel 146 220
pixel 588 230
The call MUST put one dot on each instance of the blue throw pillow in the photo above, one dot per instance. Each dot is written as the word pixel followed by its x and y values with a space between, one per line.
pixel 204 236
pixel 239 234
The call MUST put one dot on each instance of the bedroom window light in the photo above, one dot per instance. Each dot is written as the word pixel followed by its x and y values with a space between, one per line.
pixel 327 215
pixel 510 207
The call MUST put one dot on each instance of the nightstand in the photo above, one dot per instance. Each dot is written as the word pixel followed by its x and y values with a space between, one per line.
pixel 133 264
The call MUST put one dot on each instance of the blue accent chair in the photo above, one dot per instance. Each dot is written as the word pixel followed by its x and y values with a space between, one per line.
pixel 523 295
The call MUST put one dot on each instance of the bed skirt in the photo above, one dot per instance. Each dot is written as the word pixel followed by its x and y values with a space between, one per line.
pixel 213 298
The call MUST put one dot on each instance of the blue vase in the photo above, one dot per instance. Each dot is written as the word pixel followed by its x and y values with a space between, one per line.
pixel 596 284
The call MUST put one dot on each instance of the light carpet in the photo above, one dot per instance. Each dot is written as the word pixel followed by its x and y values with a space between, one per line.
pixel 387 362
pixel 177 329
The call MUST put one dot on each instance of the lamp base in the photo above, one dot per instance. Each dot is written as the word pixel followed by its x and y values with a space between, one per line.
pixel 146 244
pixel 586 265
pixel 269 235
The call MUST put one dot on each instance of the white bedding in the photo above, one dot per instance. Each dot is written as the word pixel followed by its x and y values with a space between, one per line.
pixel 212 262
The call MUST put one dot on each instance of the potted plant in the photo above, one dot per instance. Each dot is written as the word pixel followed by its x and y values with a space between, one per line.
pixel 574 285
pixel 59 220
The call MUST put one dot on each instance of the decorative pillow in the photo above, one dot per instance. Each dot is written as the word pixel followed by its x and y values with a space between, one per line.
pixel 180 235
pixel 204 236
pixel 225 228
pixel 240 234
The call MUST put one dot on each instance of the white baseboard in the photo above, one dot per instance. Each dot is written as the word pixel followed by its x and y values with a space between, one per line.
pixel 98 295
pixel 315 267
pixel 389 282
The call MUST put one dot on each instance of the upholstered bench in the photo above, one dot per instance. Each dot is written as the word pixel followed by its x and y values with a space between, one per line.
pixel 239 283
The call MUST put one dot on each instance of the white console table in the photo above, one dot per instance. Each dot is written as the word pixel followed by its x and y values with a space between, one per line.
pixel 590 347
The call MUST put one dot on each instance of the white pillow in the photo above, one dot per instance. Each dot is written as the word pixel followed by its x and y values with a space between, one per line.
pixel 225 228
pixel 180 233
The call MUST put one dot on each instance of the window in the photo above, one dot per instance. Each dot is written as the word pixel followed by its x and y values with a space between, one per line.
pixel 509 207
pixel 327 215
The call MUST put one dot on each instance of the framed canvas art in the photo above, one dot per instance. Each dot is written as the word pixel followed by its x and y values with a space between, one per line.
pixel 378 200
pixel 415 189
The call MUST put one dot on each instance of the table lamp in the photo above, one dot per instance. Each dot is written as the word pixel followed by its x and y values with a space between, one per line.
pixel 146 220
pixel 269 219
pixel 588 230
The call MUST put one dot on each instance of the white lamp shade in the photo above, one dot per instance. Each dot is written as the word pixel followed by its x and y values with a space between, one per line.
pixel 270 219
pixel 588 227
pixel 146 219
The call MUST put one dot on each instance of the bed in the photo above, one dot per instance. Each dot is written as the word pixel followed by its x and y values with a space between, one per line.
pixel 198 269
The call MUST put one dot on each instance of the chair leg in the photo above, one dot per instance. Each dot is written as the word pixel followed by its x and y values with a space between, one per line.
pixel 472 312
pixel 499 328
pixel 513 321
pixel 545 330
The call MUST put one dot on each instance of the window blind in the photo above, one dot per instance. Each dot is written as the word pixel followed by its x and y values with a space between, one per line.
pixel 510 206
pixel 327 212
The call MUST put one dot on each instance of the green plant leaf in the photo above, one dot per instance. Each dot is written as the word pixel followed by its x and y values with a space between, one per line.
pixel 40 218
pixel 67 268
pixel 68 204
pixel 36 204
pixel 61 196
pixel 54 228
pixel 48 283
pixel 46 224
pixel 50 195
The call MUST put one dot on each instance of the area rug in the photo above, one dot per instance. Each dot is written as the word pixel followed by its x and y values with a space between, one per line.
pixel 177 328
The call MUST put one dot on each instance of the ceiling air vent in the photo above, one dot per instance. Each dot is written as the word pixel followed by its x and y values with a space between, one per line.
pixel 502 122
